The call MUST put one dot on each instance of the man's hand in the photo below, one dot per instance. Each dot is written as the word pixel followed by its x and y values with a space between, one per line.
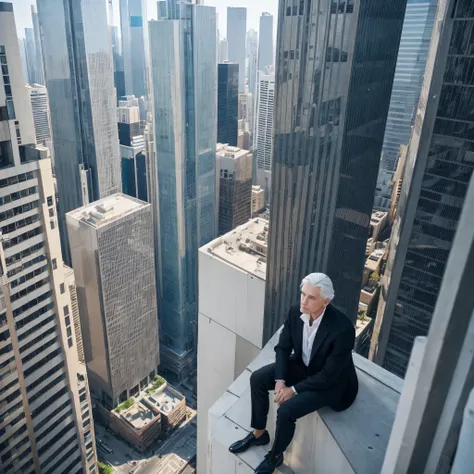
pixel 284 395
pixel 280 385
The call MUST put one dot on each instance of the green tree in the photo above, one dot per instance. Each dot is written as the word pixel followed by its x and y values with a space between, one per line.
pixel 105 469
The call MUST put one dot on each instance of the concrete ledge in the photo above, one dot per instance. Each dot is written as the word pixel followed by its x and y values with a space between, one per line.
pixel 327 442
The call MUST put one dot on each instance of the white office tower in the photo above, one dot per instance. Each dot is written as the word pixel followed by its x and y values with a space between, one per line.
pixel 38 46
pixel 111 244
pixel 265 45
pixel 263 131
pixel 46 416
pixel 252 56
pixel 41 117
pixel 236 39
pixel 232 271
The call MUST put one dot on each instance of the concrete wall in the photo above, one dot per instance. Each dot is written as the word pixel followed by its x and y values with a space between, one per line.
pixel 230 333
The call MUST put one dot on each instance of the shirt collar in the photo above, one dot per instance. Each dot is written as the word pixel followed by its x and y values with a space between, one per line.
pixel 306 317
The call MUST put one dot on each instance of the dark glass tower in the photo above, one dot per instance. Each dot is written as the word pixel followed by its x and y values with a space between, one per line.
pixel 334 74
pixel 227 103
pixel 439 166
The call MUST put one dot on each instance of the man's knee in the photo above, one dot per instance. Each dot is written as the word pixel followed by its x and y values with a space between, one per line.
pixel 285 411
pixel 262 377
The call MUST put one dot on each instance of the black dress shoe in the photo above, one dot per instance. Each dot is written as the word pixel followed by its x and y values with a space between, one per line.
pixel 249 441
pixel 269 464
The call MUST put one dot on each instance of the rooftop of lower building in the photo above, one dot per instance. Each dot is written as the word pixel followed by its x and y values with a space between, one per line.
pixel 245 247
pixel 107 210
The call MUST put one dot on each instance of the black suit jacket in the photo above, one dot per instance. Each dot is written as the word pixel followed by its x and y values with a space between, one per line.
pixel 331 368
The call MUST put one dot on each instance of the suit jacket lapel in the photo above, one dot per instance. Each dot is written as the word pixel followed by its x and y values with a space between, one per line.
pixel 323 332
pixel 299 334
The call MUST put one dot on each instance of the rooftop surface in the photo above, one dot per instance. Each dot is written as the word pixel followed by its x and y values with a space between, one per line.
pixel 226 151
pixel 107 210
pixel 245 247
pixel 138 415
pixel 165 400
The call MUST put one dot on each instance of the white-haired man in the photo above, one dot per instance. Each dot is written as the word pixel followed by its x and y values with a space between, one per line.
pixel 313 369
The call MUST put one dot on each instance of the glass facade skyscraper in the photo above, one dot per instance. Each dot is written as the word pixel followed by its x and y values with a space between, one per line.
pixel 411 63
pixel 183 175
pixel 134 26
pixel 265 45
pixel 227 103
pixel 236 40
pixel 80 81
pixel 335 67
pixel 440 163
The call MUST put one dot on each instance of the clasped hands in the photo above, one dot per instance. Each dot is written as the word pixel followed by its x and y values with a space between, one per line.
pixel 282 392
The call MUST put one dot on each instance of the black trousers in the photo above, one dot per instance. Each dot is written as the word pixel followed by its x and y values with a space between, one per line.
pixel 261 382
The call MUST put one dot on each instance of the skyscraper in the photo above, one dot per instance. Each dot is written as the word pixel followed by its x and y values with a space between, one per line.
pixel 112 253
pixel 41 117
pixel 227 103
pixel 79 70
pixel 438 169
pixel 24 65
pixel 265 45
pixel 252 53
pixel 46 411
pixel 183 176
pixel 409 72
pixel 236 39
pixel 234 168
pixel 31 59
pixel 263 132
pixel 222 51
pixel 38 47
pixel 133 149
pixel 133 18
pixel 119 74
pixel 333 84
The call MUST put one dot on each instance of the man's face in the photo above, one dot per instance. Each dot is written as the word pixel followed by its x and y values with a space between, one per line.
pixel 311 300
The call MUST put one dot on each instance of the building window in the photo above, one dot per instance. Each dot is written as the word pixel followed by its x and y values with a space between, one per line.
pixel 69 343
pixel 54 264
pixel 50 200
pixel 62 288
pixel 51 212
pixel 52 225
pixel 66 310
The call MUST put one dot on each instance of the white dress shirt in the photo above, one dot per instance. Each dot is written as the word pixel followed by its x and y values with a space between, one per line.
pixel 309 333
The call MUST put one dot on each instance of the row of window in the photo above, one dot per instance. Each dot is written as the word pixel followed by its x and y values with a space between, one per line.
pixel 18 195
pixel 31 303
pixel 38 338
pixel 42 362
pixel 63 459
pixel 38 351
pixel 29 289
pixel 19 178
pixel 44 377
pixel 47 387
pixel 23 322
pixel 21 255
pixel 55 439
pixel 18 210
pixel 30 263
pixel 37 327
pixel 28 276
pixel 20 224
pixel 21 238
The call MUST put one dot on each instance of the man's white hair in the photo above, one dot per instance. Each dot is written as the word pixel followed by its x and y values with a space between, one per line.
pixel 322 281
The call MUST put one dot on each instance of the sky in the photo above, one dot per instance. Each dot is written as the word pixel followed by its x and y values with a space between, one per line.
pixel 255 8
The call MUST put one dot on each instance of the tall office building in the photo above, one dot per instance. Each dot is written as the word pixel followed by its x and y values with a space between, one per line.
pixel 112 253
pixel 46 421
pixel 133 18
pixel 227 103
pixel 265 45
pixel 234 169
pixel 119 73
pixel 31 56
pixel 38 47
pixel 252 58
pixel 183 175
pixel 236 39
pixel 133 149
pixel 222 51
pixel 263 131
pixel 38 95
pixel 79 70
pixel 333 83
pixel 409 72
pixel 438 169
pixel 24 65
